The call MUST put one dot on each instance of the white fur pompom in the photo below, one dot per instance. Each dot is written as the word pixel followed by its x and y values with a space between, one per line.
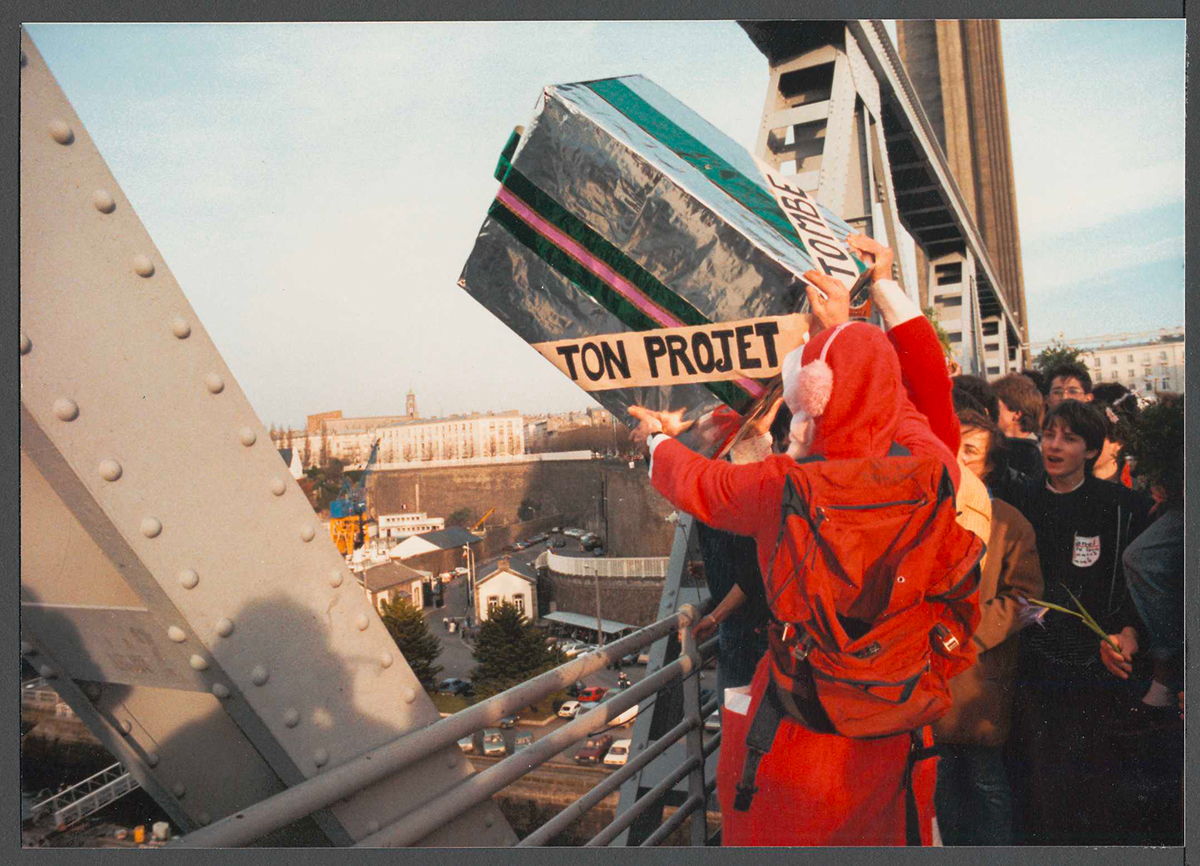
pixel 812 388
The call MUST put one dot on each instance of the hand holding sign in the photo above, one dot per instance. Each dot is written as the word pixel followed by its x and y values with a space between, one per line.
pixel 650 421
pixel 828 298
pixel 871 250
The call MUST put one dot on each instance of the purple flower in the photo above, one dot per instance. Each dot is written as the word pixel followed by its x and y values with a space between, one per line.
pixel 1029 613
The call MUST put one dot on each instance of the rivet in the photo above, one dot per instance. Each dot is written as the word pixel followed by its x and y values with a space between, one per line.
pixel 65 409
pixel 151 526
pixel 60 132
pixel 214 383
pixel 220 690
pixel 259 675
pixel 277 486
pixel 179 789
pixel 152 759
pixel 372 827
pixel 26 648
pixel 26 343
pixel 291 718
pixel 224 627
pixel 126 726
pixel 176 634
pixel 410 695
pixel 188 578
pixel 205 818
pixel 48 672
pixel 307 533
pixel 110 470
pixel 321 757
pixel 247 436
pixel 180 328
pixel 362 622
pixel 386 659
pixel 104 201
pixel 198 662
pixel 335 578
pixel 142 266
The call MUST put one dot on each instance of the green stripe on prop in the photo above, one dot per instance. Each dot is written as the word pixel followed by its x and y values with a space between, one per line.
pixel 562 219
pixel 506 155
pixel 596 288
pixel 736 185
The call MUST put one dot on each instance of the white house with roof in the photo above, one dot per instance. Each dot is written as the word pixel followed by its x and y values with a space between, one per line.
pixel 506 584
pixel 393 580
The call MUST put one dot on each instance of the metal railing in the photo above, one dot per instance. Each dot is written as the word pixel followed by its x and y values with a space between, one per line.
pixel 92 794
pixel 318 792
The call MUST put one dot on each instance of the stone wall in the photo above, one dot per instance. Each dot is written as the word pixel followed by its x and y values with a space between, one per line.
pixel 568 493
pixel 624 599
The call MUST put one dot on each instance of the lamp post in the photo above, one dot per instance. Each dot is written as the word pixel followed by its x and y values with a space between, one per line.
pixel 469 556
pixel 596 582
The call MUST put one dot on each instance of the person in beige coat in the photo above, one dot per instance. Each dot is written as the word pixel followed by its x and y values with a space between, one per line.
pixel 974 799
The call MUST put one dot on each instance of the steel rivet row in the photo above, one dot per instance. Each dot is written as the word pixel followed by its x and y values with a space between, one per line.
pixel 176 634
pixel 104 201
pixel 291 718
pixel 198 663
pixel 386 659
pixel 188 578
pixel 247 436
pixel 307 533
pixel 214 383
pixel 66 409
pixel 151 527
pixel 110 470
pixel 142 266
pixel 259 675
pixel 61 132
pixel 278 487
pixel 180 328
pixel 224 627
pixel 220 690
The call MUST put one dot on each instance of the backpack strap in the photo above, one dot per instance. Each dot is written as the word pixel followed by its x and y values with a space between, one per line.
pixel 917 752
pixel 758 742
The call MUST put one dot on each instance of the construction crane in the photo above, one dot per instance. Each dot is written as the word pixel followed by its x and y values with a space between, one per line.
pixel 347 511
pixel 490 512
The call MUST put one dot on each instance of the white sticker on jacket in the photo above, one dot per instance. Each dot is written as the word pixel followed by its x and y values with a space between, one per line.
pixel 737 700
pixel 1086 552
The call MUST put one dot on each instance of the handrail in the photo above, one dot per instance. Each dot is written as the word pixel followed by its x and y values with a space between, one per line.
pixel 323 790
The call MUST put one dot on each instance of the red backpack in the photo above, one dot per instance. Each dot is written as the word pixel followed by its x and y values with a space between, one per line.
pixel 873 587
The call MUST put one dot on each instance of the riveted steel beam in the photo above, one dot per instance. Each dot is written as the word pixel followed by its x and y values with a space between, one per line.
pixel 172 571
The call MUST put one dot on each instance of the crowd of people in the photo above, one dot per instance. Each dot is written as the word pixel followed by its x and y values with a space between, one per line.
pixel 1045 706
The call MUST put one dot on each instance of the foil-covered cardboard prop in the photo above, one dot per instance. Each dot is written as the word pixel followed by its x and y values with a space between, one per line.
pixel 640 250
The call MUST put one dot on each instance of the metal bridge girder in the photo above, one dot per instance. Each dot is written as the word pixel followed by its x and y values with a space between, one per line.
pixel 175 585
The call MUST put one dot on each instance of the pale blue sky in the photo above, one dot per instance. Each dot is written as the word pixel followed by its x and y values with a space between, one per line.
pixel 316 188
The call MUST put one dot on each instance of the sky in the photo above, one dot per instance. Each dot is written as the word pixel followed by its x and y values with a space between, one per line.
pixel 316 188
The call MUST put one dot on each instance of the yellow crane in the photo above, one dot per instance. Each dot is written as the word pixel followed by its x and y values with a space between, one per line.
pixel 491 511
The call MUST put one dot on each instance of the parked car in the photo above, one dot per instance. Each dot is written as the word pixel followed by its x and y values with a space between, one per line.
pixel 522 741
pixel 455 686
pixel 592 693
pixel 569 710
pixel 643 658
pixel 625 718
pixel 599 551
pixel 560 542
pixel 627 660
pixel 618 754
pixel 575 688
pixel 461 572
pixel 467 743
pixel 556 529
pixel 508 721
pixel 573 648
pixel 493 741
pixel 713 723
pixel 594 749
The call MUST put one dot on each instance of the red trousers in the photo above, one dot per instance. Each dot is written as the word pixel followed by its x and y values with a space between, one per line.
pixel 820 789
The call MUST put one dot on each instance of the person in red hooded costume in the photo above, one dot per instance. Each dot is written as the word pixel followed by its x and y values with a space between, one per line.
pixel 850 397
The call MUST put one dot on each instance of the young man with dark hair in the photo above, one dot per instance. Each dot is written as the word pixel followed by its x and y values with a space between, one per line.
pixel 1070 381
pixel 1021 409
pixel 1066 702
pixel 983 393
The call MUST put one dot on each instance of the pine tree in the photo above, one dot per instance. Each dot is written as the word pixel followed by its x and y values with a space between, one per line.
pixel 419 646
pixel 509 650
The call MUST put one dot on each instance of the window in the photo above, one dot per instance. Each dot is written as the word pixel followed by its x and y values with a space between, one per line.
pixel 1114 375
pixel 1162 356
pixel 950 300
pixel 991 347
pixel 993 371
pixel 1112 359
pixel 1166 384
pixel 493 602
pixel 519 601
pixel 951 272
pixel 955 337
pixel 1096 361
pixel 1145 357
pixel 1131 374
pixel 991 329
pixel 1129 358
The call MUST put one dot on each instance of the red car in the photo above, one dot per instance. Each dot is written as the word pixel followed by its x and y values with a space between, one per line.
pixel 594 750
pixel 591 693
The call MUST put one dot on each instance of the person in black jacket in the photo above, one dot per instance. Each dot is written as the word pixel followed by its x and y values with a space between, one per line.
pixel 1067 771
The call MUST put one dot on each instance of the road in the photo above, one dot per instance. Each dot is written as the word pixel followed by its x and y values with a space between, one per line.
pixel 457 661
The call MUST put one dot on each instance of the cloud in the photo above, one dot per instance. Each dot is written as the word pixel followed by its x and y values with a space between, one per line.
pixel 1103 263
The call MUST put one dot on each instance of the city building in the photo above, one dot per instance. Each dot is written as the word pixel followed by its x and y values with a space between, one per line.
pixel 406 524
pixel 506 584
pixel 391 581
pixel 1146 365
pixel 444 539
pixel 405 440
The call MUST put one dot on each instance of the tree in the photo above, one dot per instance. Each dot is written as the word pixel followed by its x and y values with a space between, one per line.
pixel 1055 354
pixel 419 646
pixel 460 517
pixel 323 448
pixel 306 453
pixel 509 650
pixel 943 337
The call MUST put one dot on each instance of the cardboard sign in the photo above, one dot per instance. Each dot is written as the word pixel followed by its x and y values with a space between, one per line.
pixel 822 245
pixel 738 351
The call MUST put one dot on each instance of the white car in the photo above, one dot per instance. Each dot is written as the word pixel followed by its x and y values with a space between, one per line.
pixel 493 741
pixel 460 572
pixel 618 754
pixel 572 649
pixel 713 723
pixel 568 710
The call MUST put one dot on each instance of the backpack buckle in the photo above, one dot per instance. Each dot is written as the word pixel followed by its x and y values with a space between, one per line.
pixel 797 645
pixel 945 637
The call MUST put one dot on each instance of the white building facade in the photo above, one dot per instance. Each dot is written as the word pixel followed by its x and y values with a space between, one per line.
pixel 405 441
pixel 506 585
pixel 408 523
pixel 1146 367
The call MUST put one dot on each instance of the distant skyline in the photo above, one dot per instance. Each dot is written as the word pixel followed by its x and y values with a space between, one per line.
pixel 316 188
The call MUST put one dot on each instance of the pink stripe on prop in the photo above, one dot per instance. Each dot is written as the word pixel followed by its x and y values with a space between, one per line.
pixel 615 281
